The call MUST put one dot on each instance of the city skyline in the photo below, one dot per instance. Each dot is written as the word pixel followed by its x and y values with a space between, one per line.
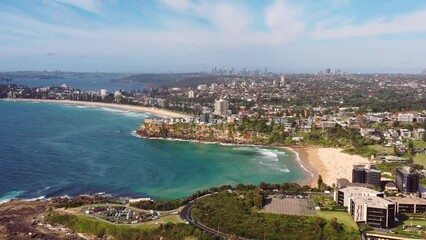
pixel 186 35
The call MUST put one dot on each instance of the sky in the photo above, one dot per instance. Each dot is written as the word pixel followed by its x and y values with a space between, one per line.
pixel 198 35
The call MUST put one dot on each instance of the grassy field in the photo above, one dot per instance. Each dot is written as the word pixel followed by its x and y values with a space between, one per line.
pixel 367 151
pixel 419 144
pixel 420 159
pixel 399 231
pixel 342 217
pixel 151 230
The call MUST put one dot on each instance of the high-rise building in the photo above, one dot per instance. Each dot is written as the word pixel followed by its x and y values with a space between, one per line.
pixel 104 93
pixel 407 180
pixel 358 174
pixel 213 86
pixel 191 94
pixel 366 174
pixel 117 96
pixel 221 107
pixel 282 80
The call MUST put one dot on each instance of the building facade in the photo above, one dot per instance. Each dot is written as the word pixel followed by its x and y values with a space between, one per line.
pixel 342 196
pixel 407 180
pixel 221 107
pixel 373 211
pixel 366 174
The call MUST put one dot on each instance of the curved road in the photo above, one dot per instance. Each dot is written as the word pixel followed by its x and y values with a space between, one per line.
pixel 185 214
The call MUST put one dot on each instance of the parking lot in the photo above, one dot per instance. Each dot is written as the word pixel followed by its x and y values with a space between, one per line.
pixel 292 206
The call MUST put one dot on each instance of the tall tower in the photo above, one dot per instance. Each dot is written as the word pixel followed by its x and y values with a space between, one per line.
pixel 282 80
pixel 407 180
pixel 221 107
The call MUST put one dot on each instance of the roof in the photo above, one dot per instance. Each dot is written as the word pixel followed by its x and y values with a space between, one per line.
pixel 343 182
pixel 359 190
pixel 372 201
pixel 401 200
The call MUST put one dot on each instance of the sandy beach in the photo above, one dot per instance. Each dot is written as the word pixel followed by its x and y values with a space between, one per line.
pixel 330 163
pixel 156 111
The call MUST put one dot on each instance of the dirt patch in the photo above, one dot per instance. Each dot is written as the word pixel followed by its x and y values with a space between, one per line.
pixel 24 220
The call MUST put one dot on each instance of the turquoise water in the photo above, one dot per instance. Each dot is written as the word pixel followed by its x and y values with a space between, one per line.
pixel 50 149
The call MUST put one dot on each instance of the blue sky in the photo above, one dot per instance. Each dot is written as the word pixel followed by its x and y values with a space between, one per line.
pixel 196 35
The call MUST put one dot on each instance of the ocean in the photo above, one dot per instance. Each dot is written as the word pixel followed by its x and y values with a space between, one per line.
pixel 52 149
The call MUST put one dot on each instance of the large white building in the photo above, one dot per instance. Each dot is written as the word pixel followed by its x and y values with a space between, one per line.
pixel 221 107
pixel 282 80
pixel 117 96
pixel 342 196
pixel 191 94
pixel 373 211
pixel 104 93
pixel 406 117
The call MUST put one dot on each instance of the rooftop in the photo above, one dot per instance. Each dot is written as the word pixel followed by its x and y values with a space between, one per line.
pixel 355 190
pixel 407 200
pixel 375 202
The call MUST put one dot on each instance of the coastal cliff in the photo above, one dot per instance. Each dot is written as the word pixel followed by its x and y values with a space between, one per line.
pixel 223 133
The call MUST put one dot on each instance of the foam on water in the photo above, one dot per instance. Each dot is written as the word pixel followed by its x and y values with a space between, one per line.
pixel 10 195
pixel 302 165
pixel 268 154
pixel 124 112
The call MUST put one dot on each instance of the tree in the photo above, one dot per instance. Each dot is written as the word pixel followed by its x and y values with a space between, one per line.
pixel 320 182
pixel 395 124
pixel 410 147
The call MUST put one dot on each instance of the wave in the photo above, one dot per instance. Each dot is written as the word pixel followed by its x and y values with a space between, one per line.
pixel 10 195
pixel 34 199
pixel 302 165
pixel 124 112
pixel 268 154
pixel 281 168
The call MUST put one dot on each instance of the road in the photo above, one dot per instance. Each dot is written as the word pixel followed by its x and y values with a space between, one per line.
pixel 185 214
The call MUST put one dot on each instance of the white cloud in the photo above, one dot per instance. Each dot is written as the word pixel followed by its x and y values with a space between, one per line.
pixel 409 23
pixel 284 21
pixel 178 5
pixel 93 6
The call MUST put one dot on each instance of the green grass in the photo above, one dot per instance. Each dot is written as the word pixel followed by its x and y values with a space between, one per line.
pixel 399 231
pixel 419 144
pixel 342 217
pixel 367 151
pixel 420 159
pixel 100 228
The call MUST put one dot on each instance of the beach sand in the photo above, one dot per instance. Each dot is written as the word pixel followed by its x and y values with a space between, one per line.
pixel 156 111
pixel 330 163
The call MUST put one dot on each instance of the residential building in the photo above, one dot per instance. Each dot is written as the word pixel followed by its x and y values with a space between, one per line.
pixel 191 94
pixel 104 93
pixel 409 205
pixel 405 133
pixel 406 117
pixel 221 107
pixel 282 80
pixel 407 180
pixel 343 182
pixel 342 196
pixel 419 133
pixel 366 174
pixel 117 96
pixel 328 124
pixel 373 211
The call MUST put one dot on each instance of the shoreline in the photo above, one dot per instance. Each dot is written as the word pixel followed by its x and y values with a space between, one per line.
pixel 152 110
pixel 330 163
pixel 311 171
